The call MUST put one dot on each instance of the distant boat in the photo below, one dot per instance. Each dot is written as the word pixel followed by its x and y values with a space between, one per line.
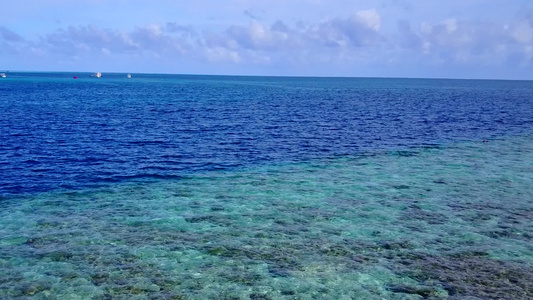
pixel 97 74
pixel 129 75
pixel 2 75
pixel 75 77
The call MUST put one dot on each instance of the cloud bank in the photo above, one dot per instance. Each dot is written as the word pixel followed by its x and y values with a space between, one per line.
pixel 359 44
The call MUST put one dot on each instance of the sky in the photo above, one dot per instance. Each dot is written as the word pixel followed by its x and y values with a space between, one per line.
pixel 473 39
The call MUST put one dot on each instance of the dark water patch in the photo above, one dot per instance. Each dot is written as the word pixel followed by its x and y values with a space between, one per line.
pixel 281 260
pixel 415 212
pixel 397 245
pixel 471 275
pixel 28 289
pixel 513 221
pixel 147 142
pixel 401 187
pixel 432 146
pixel 509 233
pixel 215 219
pixel 99 278
pixel 424 292
pixel 55 256
pixel 440 181
pixel 137 177
pixel 405 153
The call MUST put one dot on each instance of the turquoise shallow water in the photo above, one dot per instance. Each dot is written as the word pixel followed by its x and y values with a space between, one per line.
pixel 448 221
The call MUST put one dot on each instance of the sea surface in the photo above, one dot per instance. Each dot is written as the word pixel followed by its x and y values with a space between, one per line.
pixel 233 187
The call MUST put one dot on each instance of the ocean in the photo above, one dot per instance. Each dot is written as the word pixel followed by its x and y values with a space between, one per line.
pixel 235 187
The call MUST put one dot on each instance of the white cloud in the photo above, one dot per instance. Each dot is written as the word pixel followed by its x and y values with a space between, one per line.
pixel 523 32
pixel 451 25
pixel 468 42
pixel 426 47
pixel 370 18
pixel 528 50
pixel 154 30
pixel 258 32
pixel 220 54
pixel 361 30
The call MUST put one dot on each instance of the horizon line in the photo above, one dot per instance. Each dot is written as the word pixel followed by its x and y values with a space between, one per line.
pixel 255 75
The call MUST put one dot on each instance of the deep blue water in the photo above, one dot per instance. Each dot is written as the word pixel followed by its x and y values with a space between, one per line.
pixel 60 133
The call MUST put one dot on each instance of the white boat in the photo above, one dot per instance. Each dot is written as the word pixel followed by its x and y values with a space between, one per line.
pixel 97 74
pixel 2 75
pixel 129 75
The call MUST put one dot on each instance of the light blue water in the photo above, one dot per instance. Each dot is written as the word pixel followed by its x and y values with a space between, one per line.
pixel 442 218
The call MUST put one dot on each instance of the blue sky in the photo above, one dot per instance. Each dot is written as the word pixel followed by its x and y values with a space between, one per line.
pixel 383 38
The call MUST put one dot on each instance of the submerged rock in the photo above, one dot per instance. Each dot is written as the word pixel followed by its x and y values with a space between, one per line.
pixel 472 274
pixel 425 292
pixel 33 288
pixel 56 255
